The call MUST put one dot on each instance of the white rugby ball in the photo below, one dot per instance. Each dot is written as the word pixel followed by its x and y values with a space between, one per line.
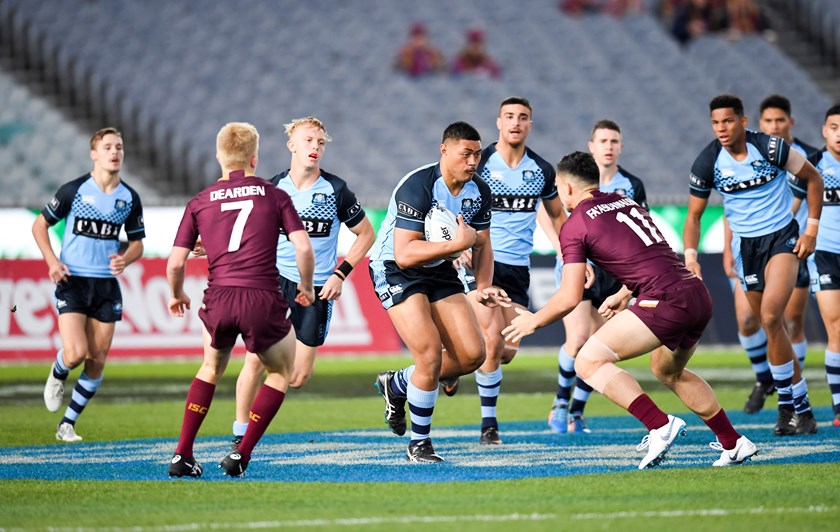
pixel 441 225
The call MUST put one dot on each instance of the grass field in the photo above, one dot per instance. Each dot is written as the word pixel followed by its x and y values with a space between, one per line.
pixel 145 401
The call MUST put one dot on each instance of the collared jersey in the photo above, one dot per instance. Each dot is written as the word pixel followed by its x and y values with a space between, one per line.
pixel 94 220
pixel 240 221
pixel 628 185
pixel 798 190
pixel 323 207
pixel 516 195
pixel 414 197
pixel 828 237
pixel 754 199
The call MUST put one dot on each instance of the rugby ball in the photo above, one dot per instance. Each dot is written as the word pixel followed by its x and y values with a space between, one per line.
pixel 441 225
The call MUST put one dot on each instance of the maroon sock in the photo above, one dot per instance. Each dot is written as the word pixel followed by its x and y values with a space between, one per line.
pixel 723 429
pixel 646 411
pixel 198 403
pixel 265 406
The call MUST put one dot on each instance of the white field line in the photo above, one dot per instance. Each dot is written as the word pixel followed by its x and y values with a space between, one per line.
pixel 709 512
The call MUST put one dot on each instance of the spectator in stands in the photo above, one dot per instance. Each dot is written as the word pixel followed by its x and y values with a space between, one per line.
pixel 744 18
pixel 418 56
pixel 616 8
pixel 696 18
pixel 474 58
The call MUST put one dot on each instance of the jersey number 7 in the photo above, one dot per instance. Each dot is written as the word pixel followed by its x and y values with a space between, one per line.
pixel 244 207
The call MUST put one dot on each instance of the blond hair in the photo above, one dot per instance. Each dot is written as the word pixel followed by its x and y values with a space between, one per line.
pixel 306 121
pixel 236 144
pixel 99 135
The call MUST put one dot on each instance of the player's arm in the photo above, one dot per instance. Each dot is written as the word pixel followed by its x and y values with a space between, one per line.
pixel 691 232
pixel 728 257
pixel 563 301
pixel 555 211
pixel 412 251
pixel 132 253
pixel 41 231
pixel 305 258
pixel 810 177
pixel 176 268
pixel 547 225
pixel 365 237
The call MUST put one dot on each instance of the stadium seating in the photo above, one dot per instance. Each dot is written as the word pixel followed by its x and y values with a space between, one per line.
pixel 173 72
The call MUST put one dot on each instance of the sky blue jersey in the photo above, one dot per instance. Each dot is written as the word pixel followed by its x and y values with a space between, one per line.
pixel 627 185
pixel 516 196
pixel 322 208
pixel 828 237
pixel 415 195
pixel 754 197
pixel 93 223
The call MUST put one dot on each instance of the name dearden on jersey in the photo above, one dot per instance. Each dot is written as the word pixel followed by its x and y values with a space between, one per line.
pixel 237 192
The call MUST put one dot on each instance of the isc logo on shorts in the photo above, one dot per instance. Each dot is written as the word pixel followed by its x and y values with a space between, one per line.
pixel 751 279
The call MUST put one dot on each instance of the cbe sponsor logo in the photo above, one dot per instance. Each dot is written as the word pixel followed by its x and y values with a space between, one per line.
pixel 147 328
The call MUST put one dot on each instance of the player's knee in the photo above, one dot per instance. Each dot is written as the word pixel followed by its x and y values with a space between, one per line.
pixel 666 375
pixel 508 353
pixel 574 342
pixel 748 324
pixel 772 321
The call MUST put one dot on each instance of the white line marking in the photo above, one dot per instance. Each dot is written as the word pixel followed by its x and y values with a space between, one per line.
pixel 357 521
pixel 703 513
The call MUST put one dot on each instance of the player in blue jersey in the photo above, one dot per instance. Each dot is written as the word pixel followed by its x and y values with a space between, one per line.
pixel 605 145
pixel 324 202
pixel 749 170
pixel 520 180
pixel 421 290
pixel 826 264
pixel 775 118
pixel 95 208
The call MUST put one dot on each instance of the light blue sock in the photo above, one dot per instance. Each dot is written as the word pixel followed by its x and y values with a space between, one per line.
pixel 783 379
pixel 421 406
pixel 756 347
pixel 239 429
pixel 800 397
pixel 800 349
pixel 565 375
pixel 832 375
pixel 399 384
pixel 83 392
pixel 60 370
pixel 489 385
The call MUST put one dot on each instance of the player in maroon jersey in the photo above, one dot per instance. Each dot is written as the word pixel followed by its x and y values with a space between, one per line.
pixel 672 308
pixel 240 219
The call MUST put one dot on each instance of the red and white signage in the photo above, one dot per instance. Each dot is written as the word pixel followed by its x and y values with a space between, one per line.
pixel 359 323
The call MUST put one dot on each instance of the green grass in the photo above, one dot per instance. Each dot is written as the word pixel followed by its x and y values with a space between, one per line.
pixel 341 396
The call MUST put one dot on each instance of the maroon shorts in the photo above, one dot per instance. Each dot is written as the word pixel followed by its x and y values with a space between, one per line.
pixel 260 316
pixel 677 316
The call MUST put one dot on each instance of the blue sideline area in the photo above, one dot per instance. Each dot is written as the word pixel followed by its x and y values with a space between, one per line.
pixel 529 450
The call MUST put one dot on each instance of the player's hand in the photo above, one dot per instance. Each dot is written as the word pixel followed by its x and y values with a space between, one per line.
pixel 179 304
pixel 805 245
pixel 466 235
pixel 59 272
pixel 305 295
pixel 118 263
pixel 198 250
pixel 613 305
pixel 589 275
pixel 464 261
pixel 729 264
pixel 694 267
pixel 331 289
pixel 521 326
pixel 493 297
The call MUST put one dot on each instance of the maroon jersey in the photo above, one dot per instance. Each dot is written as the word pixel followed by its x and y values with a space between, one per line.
pixel 239 220
pixel 618 235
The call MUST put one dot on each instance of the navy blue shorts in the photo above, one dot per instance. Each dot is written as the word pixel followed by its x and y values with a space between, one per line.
pixel 826 271
pixel 312 323
pixel 393 285
pixel 99 298
pixel 514 280
pixel 753 254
